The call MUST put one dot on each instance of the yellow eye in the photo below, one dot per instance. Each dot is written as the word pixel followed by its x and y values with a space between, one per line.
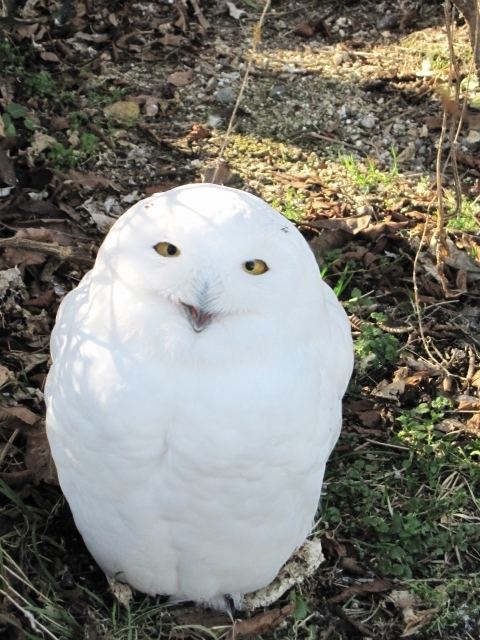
pixel 255 267
pixel 167 250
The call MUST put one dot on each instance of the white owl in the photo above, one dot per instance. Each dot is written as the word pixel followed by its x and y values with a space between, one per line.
pixel 195 394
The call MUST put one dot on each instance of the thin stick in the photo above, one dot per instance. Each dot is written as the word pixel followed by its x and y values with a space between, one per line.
pixel 201 18
pixel 256 40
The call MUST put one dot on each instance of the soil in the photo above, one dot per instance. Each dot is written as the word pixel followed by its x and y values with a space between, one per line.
pixel 103 103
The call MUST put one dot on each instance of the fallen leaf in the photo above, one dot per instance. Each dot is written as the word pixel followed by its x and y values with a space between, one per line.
pixel 216 175
pixel 5 375
pixel 352 565
pixel 170 40
pixel 353 225
pixel 122 592
pixel 377 586
pixel 38 459
pixel 18 418
pixel 181 78
pixel 304 29
pixel 7 170
pixel 234 12
pixel 49 56
pixel 198 132
pixel 261 623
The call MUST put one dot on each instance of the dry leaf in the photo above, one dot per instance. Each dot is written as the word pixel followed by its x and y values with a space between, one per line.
pixel 38 459
pixel 181 78
pixel 377 586
pixel 198 132
pixel 216 175
pixel 5 375
pixel 261 623
pixel 304 29
pixel 18 418
pixel 49 57
pixel 7 170
pixel 353 225
pixel 122 592
pixel 234 12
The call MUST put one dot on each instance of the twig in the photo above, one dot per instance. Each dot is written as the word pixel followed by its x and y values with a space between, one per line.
pixel 10 441
pixel 256 39
pixel 201 18
pixel 65 254
pixel 98 132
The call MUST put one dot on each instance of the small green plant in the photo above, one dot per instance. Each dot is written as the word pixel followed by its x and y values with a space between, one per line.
pixel 40 85
pixel 62 157
pixel 89 143
pixel 367 175
pixel 292 206
pixel 374 347
pixel 357 301
pixel 12 61
pixel 466 219
pixel 16 112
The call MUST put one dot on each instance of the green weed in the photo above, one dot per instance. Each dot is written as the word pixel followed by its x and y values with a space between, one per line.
pixel 374 347
pixel 62 157
pixel 40 85
pixel 292 206
pixel 409 507
pixel 367 175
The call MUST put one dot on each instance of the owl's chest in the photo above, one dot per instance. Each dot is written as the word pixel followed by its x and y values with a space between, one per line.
pixel 224 419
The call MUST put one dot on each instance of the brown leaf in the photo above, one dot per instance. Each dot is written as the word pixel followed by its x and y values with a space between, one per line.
pixel 353 225
pixel 48 56
pixel 304 29
pixel 169 40
pixel 352 565
pixel 198 132
pixel 59 123
pixel 38 459
pixel 333 547
pixel 377 586
pixel 182 21
pixel 18 418
pixel 44 301
pixel 261 623
pixel 461 280
pixel 217 176
pixel 181 78
pixel 7 170
pixel 25 31
pixel 370 419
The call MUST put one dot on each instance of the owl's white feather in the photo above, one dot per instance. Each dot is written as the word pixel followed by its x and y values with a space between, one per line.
pixel 192 456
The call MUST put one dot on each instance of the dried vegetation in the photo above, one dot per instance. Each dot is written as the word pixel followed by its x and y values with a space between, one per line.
pixel 104 102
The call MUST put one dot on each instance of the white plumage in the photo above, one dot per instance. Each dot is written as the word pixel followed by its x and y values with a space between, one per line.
pixel 195 394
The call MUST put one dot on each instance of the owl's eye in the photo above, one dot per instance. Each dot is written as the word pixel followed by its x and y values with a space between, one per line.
pixel 255 267
pixel 167 250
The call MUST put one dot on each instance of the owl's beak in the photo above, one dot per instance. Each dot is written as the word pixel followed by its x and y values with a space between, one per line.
pixel 198 318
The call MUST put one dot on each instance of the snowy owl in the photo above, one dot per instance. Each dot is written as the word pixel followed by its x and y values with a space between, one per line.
pixel 195 394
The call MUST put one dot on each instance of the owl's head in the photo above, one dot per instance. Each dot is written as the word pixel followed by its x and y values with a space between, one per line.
pixel 211 252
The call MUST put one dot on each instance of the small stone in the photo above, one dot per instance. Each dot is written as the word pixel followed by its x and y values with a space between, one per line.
pixel 338 59
pixel 213 121
pixel 473 137
pixel 225 95
pixel 365 210
pixel 277 91
pixel 368 122
pixel 211 85
pixel 387 23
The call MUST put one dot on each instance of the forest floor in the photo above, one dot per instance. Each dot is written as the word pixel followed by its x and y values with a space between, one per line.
pixel 103 103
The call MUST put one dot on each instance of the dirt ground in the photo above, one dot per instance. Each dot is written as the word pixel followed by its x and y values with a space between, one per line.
pixel 103 103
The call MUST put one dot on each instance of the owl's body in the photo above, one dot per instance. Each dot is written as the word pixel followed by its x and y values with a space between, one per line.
pixel 192 452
